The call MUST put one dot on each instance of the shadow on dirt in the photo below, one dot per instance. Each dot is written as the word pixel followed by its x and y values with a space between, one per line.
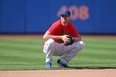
pixel 92 67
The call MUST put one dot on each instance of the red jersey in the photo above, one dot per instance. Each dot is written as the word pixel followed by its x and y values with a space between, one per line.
pixel 58 29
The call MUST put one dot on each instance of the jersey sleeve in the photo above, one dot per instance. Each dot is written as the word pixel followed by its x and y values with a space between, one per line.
pixel 54 29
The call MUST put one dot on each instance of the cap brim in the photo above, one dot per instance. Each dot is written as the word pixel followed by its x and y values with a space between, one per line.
pixel 64 14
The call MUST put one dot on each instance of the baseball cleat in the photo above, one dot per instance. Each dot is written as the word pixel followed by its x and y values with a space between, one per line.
pixel 61 64
pixel 48 65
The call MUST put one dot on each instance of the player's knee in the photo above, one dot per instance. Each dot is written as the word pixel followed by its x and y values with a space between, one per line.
pixel 49 42
pixel 47 45
pixel 81 45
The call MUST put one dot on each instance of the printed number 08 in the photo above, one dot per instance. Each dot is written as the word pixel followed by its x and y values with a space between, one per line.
pixel 81 12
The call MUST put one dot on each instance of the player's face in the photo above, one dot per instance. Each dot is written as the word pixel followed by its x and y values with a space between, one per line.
pixel 65 18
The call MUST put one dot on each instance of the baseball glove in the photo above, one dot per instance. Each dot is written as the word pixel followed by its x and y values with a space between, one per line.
pixel 71 40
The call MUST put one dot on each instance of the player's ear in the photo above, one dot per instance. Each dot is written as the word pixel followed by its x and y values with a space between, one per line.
pixel 69 17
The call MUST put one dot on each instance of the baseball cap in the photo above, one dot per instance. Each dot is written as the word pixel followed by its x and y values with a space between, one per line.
pixel 65 12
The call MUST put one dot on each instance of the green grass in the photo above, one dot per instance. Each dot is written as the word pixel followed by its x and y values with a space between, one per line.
pixel 27 54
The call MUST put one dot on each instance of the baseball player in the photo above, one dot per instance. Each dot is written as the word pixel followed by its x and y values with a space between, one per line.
pixel 62 40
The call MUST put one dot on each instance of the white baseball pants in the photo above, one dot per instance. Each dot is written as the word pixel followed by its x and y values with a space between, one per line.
pixel 52 48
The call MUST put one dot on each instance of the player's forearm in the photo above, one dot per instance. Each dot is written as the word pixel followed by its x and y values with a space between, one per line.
pixel 77 38
pixel 49 36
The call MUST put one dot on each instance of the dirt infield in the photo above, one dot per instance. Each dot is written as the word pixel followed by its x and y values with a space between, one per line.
pixel 60 73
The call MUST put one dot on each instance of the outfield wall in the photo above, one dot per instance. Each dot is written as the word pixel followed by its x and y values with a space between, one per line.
pixel 36 16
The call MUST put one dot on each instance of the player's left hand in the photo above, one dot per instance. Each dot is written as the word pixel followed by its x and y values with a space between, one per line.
pixel 68 40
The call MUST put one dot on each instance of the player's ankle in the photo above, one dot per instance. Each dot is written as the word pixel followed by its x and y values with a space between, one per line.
pixel 48 65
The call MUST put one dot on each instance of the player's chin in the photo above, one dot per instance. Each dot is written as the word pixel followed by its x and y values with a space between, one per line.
pixel 64 21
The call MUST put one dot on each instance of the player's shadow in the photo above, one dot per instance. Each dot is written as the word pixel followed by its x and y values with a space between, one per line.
pixel 92 67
